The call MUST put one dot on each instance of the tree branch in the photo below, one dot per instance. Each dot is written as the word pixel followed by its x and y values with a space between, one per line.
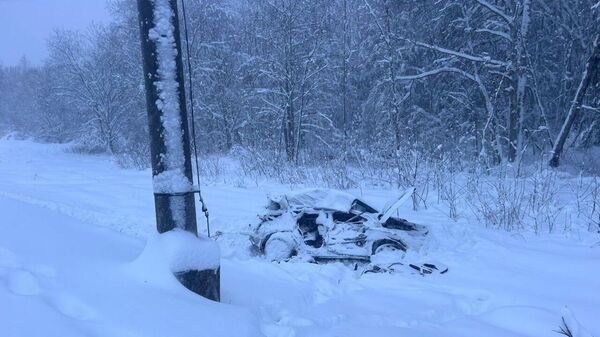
pixel 475 58
pixel 495 10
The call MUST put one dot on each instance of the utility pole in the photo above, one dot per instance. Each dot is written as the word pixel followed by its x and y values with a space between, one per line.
pixel 169 134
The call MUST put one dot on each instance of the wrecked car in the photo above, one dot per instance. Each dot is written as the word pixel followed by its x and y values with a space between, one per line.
pixel 321 225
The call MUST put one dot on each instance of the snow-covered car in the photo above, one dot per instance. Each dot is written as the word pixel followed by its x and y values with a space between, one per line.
pixel 327 225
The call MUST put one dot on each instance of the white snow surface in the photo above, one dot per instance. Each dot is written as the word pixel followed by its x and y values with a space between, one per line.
pixel 171 181
pixel 73 229
pixel 318 198
pixel 177 251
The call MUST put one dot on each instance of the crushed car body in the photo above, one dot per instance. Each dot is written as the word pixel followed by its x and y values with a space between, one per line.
pixel 322 225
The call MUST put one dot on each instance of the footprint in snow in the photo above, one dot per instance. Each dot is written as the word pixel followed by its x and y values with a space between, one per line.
pixel 286 325
pixel 274 330
pixel 8 259
pixel 43 271
pixel 295 321
pixel 72 307
pixel 20 279
pixel 22 282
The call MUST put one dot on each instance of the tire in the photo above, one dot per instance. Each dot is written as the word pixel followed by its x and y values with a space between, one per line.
pixel 387 245
pixel 279 247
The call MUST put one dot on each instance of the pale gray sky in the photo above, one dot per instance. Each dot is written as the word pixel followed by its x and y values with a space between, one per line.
pixel 25 24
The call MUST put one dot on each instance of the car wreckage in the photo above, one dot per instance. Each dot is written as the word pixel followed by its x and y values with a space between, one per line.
pixel 326 226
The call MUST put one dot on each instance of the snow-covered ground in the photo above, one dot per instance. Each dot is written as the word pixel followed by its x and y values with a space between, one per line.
pixel 71 226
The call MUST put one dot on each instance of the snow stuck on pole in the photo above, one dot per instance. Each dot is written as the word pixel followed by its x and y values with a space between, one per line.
pixel 173 179
pixel 169 139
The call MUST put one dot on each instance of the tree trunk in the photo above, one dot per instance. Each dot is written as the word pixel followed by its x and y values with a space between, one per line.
pixel 590 69
pixel 513 113
pixel 345 79
pixel 518 32
pixel 289 132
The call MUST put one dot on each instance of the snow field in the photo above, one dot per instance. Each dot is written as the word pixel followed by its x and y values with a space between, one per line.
pixel 72 225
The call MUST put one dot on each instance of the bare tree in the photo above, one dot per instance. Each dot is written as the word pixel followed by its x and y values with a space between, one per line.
pixel 591 69
pixel 90 78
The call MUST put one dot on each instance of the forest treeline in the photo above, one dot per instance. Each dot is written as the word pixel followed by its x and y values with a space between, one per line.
pixel 311 81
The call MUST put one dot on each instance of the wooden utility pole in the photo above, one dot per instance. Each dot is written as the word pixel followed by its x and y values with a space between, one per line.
pixel 169 134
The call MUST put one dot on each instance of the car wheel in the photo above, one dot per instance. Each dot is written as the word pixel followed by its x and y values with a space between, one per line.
pixel 279 247
pixel 387 245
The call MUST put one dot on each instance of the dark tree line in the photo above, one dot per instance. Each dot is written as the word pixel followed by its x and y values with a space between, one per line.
pixel 485 81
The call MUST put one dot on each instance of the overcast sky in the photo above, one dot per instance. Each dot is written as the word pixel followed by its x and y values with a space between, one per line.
pixel 25 24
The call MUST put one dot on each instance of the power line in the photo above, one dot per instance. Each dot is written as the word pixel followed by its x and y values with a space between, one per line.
pixel 191 91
